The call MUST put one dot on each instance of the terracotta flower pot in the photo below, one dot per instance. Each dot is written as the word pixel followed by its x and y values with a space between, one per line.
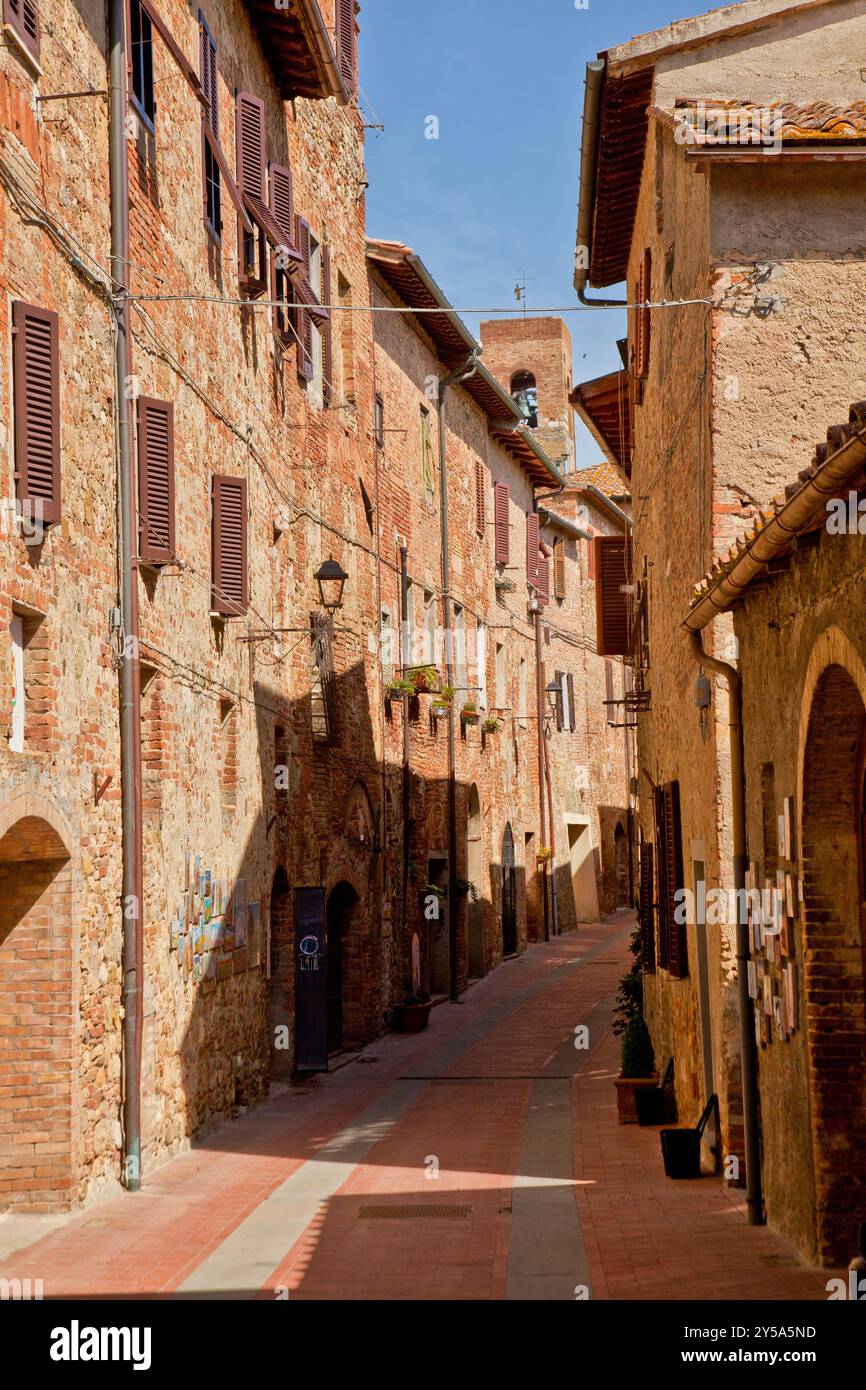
pixel 412 1018
pixel 626 1086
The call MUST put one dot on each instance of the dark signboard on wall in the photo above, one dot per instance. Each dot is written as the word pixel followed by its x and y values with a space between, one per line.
pixel 311 981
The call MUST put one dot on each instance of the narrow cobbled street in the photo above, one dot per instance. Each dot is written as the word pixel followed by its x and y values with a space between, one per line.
pixel 479 1160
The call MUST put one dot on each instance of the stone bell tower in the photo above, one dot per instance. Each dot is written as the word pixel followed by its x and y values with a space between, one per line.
pixel 532 359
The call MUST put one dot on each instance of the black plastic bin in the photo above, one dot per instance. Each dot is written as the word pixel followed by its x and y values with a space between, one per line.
pixel 681 1148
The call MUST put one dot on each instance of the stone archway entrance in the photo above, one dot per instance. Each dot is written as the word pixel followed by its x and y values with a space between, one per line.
pixel 834 856
pixel 281 979
pixel 509 894
pixel 475 875
pixel 38 1009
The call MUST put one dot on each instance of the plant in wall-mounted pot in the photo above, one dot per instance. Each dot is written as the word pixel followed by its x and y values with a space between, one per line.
pixel 466 889
pixel 544 855
pixel 469 713
pixel 398 687
pixel 491 725
pixel 441 705
pixel 426 679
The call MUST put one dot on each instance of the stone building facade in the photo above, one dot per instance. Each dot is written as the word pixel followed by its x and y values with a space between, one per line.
pixel 733 198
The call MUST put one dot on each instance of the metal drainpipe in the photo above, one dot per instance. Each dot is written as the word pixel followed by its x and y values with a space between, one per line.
pixel 539 701
pixel 130 682
pixel 454 379
pixel 754 1197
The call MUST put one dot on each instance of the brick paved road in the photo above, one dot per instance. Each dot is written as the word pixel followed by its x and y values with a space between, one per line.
pixel 491 1112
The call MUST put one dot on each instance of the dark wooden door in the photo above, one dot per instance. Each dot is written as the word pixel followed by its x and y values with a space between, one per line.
pixel 509 895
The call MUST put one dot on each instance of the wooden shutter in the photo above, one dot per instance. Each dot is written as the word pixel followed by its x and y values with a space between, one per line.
pixel 155 481
pixel 572 713
pixel 303 321
pixel 36 399
pixel 543 579
pixel 642 328
pixel 23 17
pixel 282 200
pixel 346 42
pixel 559 568
pixel 480 499
pixel 559 677
pixel 612 571
pixel 229 543
pixel 500 519
pixel 327 330
pixel 673 950
pixel 645 911
pixel 208 68
pixel 532 549
pixel 250 118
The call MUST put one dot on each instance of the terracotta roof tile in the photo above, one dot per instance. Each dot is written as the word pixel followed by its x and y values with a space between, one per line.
pixel 603 476
pixel 815 120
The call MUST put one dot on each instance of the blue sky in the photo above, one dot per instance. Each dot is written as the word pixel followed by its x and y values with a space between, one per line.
pixel 494 198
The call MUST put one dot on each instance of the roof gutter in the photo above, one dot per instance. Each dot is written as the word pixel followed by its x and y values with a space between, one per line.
pixel 560 523
pixel 311 19
pixel 594 87
pixel 793 517
pixel 605 502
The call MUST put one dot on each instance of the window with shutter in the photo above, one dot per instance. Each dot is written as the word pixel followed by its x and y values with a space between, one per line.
pixel 250 141
pixel 347 43
pixel 480 499
pixel 501 524
pixel 673 941
pixel 532 549
pixel 327 334
pixel 646 915
pixel 543 580
pixel 612 570
pixel 303 322
pixel 210 115
pixel 229 546
pixel 36 400
pixel 155 481
pixel 559 568
pixel 281 200
pixel 23 17
pixel 142 92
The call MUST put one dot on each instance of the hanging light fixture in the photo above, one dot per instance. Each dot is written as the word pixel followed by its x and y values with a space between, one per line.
pixel 331 579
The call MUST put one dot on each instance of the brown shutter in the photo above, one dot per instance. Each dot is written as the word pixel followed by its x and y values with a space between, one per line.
pixel 346 42
pixel 612 567
pixel 282 200
pixel 229 546
pixel 572 713
pixel 532 548
pixel 480 499
pixel 327 330
pixel 155 481
pixel 642 335
pixel 36 373
pixel 500 519
pixel 23 17
pixel 559 568
pixel 303 321
pixel 673 947
pixel 543 580
pixel 208 67
pixel 560 704
pixel 250 118
pixel 645 911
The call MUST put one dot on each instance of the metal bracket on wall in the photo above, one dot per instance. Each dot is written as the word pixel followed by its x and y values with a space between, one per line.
pixel 99 791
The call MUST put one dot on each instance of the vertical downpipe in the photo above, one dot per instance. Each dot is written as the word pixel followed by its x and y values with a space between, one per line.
pixel 539 701
pixel 130 682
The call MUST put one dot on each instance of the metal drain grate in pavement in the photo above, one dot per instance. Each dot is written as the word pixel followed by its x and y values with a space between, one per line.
pixel 411 1213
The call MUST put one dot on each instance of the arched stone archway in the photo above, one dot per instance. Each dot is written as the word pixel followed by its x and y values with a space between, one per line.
pixel 509 894
pixel 833 755
pixel 475 876
pixel 39 1008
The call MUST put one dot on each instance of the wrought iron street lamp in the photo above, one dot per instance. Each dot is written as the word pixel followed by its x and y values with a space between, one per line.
pixel 331 579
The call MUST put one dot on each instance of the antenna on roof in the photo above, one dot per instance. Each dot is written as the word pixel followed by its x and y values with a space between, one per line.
pixel 520 293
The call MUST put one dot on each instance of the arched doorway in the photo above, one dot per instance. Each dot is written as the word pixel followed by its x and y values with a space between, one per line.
pixel 281 979
pixel 620 866
pixel 509 894
pixel 342 906
pixel 38 1003
pixel 834 856
pixel 475 874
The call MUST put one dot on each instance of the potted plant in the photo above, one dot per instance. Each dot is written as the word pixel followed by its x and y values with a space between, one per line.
pixel 469 712
pixel 466 889
pixel 413 1015
pixel 491 725
pixel 544 855
pixel 426 679
pixel 638 1071
pixel 441 705
pixel 398 687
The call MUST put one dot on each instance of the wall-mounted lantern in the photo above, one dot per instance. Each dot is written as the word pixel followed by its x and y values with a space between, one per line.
pixel 331 579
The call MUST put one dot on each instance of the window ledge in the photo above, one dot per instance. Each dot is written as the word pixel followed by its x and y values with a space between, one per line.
pixel 20 47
